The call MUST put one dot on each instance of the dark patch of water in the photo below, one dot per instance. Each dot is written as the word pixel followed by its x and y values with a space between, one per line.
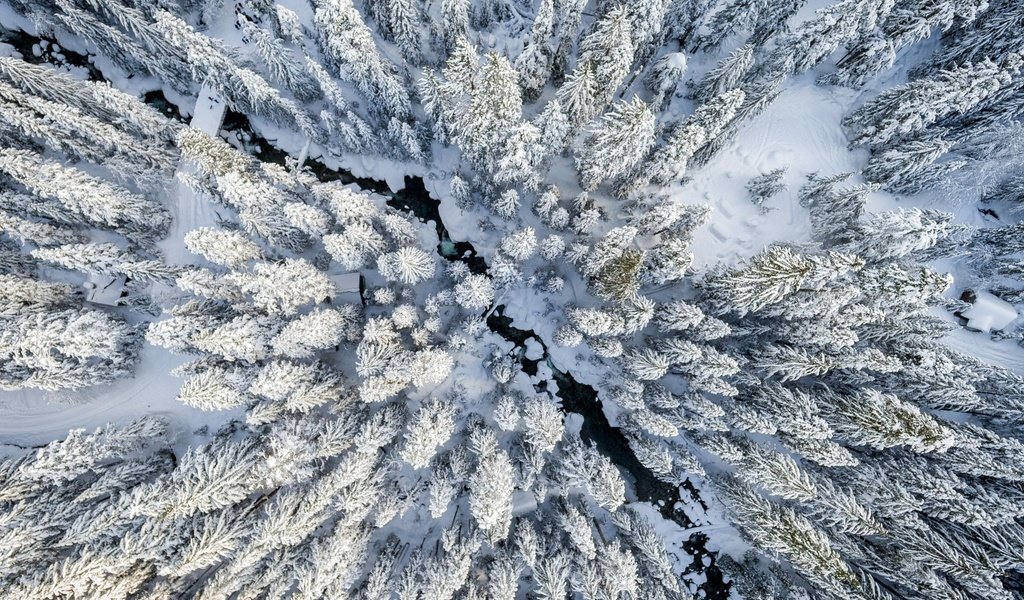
pixel 26 43
pixel 157 100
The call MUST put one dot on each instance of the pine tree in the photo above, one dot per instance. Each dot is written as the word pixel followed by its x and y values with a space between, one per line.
pixel 399 19
pixel 210 62
pixel 773 20
pixel 439 102
pixel 595 322
pixel 671 260
pixel 431 426
pixel 284 287
pixel 1010 191
pixel 585 467
pixel 543 424
pixel 506 412
pixel 316 331
pixel 909 168
pixel 646 364
pixel 771 276
pixel 23 296
pixel 669 162
pixel 520 245
pixel 553 125
pixel 99 100
pixel 329 89
pixel 579 96
pixel 347 43
pixel 24 230
pixel 606 55
pixel 212 389
pixel 243 338
pixel 833 213
pixel 353 247
pixel 65 349
pixel 80 452
pixel 765 186
pixel 648 26
pixel 569 15
pixel 649 547
pixel 907 109
pixel 908 23
pixel 726 75
pixel 677 316
pixel 491 486
pixel 409 265
pixel 130 37
pixel 620 278
pixel 106 259
pixel 619 142
pixel 454 21
pixel 475 292
pixel 534 64
pixel 210 538
pixel 224 247
pixel 69 130
pixel 898 233
pixel 506 205
pixel 665 77
pixel 552 575
pixel 522 157
pixel 818 37
pixel 206 479
pixel 882 421
pixel 685 18
pixel 808 549
pixel 79 197
pixel 481 109
pixel 990 37
pixel 735 15
pixel 891 285
pixel 281 64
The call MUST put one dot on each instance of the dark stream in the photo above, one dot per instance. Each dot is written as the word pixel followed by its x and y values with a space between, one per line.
pixel 575 397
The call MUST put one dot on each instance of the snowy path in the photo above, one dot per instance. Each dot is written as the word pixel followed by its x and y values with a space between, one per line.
pixel 189 211
pixel 34 417
pixel 31 417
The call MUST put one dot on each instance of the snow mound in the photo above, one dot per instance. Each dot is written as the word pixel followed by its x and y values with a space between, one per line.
pixel 989 313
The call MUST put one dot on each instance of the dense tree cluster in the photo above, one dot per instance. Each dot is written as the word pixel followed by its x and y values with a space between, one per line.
pixel 381 431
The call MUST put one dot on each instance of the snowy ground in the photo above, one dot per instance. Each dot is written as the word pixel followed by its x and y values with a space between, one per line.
pixel 801 131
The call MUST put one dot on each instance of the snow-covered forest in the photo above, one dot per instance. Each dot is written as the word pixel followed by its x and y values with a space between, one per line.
pixel 512 299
